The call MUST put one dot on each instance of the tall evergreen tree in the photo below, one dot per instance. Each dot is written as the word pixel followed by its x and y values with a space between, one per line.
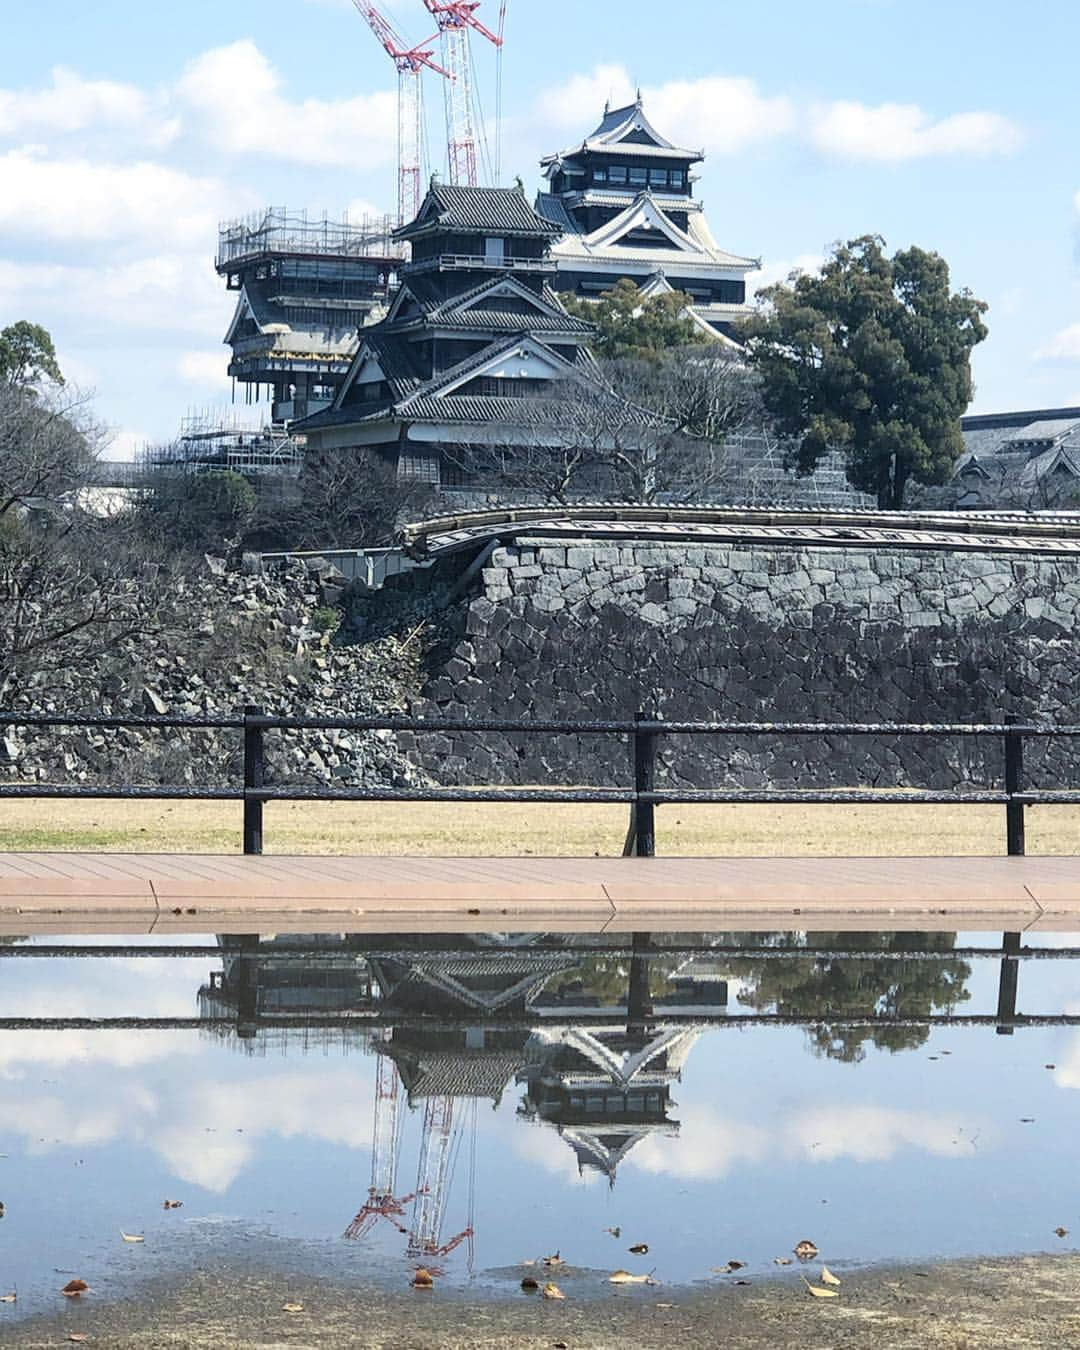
pixel 871 356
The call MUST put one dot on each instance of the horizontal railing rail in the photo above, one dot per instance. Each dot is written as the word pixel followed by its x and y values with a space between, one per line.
pixel 641 792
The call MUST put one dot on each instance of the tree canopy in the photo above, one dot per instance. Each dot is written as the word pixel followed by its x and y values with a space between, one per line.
pixel 636 326
pixel 27 356
pixel 871 356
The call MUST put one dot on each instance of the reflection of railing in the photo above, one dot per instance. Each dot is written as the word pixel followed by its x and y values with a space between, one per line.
pixel 642 795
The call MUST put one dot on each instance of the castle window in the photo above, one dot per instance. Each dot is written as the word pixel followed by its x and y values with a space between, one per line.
pixel 658 177
pixel 600 175
pixel 677 178
pixel 618 173
pixel 638 177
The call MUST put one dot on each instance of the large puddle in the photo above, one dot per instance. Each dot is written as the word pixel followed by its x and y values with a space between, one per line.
pixel 361 1106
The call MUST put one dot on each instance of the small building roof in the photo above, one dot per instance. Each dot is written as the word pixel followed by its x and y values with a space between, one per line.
pixel 481 210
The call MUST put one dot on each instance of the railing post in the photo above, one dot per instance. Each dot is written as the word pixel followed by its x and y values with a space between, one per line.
pixel 254 776
pixel 644 781
pixel 1014 774
pixel 1008 981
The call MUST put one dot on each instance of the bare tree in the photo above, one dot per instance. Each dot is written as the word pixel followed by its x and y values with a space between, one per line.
pixel 342 499
pixel 631 429
pixel 70 585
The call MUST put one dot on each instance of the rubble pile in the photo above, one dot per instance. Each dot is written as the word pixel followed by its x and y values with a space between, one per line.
pixel 214 641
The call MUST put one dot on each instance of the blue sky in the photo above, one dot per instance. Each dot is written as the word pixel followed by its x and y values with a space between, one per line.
pixel 127 130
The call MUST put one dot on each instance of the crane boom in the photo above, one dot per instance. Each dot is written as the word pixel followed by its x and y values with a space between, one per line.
pixel 410 63
pixel 456 19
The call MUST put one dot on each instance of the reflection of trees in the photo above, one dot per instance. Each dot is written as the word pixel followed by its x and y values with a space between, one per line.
pixel 833 987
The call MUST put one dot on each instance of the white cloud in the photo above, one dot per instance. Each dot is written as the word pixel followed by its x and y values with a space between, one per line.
pixel 902 131
pixel 78 200
pixel 724 114
pixel 1063 346
pixel 168 293
pixel 772 272
pixel 236 93
pixel 208 370
pixel 72 104
pixel 718 113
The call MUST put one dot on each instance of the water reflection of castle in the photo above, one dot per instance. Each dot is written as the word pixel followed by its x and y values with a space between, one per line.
pixel 581 1030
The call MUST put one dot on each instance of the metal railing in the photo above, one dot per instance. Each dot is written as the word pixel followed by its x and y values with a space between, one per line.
pixel 641 793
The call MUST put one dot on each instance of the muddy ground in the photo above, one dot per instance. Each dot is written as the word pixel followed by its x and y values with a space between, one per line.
pixel 1022 1302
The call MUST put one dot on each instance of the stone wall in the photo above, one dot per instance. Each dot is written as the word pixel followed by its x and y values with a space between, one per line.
pixel 758 632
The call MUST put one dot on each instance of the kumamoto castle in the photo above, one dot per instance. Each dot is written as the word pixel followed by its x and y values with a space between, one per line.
pixel 355 346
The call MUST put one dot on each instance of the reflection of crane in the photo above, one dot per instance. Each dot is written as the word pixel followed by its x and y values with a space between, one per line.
pixel 439 1148
pixel 456 20
pixel 410 62
pixel 381 1201
pixel 438 1154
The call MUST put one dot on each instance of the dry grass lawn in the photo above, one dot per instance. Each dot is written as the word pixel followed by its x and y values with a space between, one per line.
pixel 516 829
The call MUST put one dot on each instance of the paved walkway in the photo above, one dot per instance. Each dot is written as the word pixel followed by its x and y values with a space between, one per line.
pixel 136 893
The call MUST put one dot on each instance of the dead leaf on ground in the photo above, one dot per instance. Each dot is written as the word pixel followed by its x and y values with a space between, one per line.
pixel 78 1336
pixel 423 1279
pixel 736 1265
pixel 781 1260
pixel 74 1288
pixel 561 1345
pixel 624 1277
pixel 1062 1232
pixel 818 1291
pixel 554 1260
pixel 827 1277
pixel 292 1307
pixel 529 1284
pixel 553 1291
pixel 639 1249
pixel 665 1305
pixel 8 1298
pixel 172 1204
pixel 615 1232
pixel 805 1250
pixel 132 1237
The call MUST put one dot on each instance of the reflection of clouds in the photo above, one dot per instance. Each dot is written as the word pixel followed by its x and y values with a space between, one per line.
pixel 23 1052
pixel 207 1133
pixel 872 1133
pixel 545 1148
pixel 708 1146
pixel 212 1138
pixel 1067 1074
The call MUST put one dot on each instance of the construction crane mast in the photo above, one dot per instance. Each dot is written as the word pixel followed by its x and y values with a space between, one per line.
pixel 382 1202
pixel 410 63
pixel 457 20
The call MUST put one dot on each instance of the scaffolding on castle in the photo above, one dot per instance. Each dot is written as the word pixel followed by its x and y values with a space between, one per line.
pixel 280 231
pixel 213 441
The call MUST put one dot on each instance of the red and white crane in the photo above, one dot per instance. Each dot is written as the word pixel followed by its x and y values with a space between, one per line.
pixel 410 63
pixel 457 20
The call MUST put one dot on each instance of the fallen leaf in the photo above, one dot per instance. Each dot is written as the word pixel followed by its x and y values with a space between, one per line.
pixel 132 1237
pixel 781 1260
pixel 1062 1232
pixel 74 1288
pixel 827 1277
pixel 1049 1066
pixel 529 1284
pixel 624 1277
pixel 639 1249
pixel 561 1345
pixel 1027 1120
pixel 553 1291
pixel 172 1204
pixel 292 1307
pixel 741 1281
pixel 615 1232
pixel 665 1305
pixel 736 1265
pixel 423 1279
pixel 819 1292
pixel 77 1336
pixel 8 1298
pixel 805 1250
pixel 554 1260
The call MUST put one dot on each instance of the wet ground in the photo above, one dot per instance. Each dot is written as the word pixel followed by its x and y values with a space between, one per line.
pixel 334 1112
